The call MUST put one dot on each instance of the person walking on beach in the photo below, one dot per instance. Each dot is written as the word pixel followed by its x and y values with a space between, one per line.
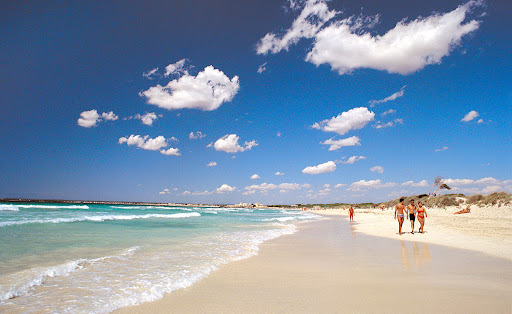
pixel 399 211
pixel 351 211
pixel 422 214
pixel 411 210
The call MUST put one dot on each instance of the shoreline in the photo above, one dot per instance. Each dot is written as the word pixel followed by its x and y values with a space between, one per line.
pixel 330 266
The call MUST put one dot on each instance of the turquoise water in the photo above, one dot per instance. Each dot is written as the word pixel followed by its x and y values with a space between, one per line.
pixel 97 258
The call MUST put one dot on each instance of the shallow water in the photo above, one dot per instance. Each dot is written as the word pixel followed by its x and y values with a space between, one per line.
pixel 97 258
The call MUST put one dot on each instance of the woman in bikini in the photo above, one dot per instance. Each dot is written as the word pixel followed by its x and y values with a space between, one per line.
pixel 422 213
pixel 399 211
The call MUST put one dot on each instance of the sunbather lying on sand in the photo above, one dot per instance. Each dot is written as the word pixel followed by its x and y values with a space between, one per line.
pixel 467 210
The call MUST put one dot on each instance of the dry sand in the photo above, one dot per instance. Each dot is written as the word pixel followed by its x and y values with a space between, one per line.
pixel 328 266
pixel 486 229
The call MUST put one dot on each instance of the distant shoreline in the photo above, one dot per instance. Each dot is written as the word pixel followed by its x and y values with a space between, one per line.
pixel 20 200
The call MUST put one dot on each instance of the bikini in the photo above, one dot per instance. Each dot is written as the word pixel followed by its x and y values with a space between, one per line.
pixel 422 213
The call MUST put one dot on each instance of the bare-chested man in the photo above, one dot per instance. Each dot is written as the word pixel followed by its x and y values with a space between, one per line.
pixel 411 211
pixel 399 211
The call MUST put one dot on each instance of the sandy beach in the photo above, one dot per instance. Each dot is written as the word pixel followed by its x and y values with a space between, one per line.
pixel 333 265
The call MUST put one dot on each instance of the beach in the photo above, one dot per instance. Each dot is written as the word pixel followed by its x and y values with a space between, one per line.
pixel 333 265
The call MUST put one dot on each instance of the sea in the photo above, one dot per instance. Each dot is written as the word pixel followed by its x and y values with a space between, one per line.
pixel 97 258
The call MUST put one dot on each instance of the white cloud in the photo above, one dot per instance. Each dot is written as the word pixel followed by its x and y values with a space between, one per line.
pixel 225 188
pixel 394 96
pixel 171 152
pixel 313 16
pixel 491 189
pixel 109 116
pixel 278 134
pixel 196 135
pixel 165 191
pixel 262 67
pixel 470 116
pixel 353 159
pixel 381 125
pixel 145 142
pixel 149 74
pixel 329 166
pixel 255 177
pixel 410 46
pixel 481 186
pixel 390 111
pixel 337 144
pixel 423 183
pixel 378 169
pixel 339 185
pixel 353 119
pixel 176 68
pixel 211 164
pixel 265 187
pixel 279 173
pixel 147 118
pixel 441 149
pixel 327 185
pixel 206 91
pixel 197 193
pixel 371 184
pixel 229 144
pixel 480 121
pixel 91 118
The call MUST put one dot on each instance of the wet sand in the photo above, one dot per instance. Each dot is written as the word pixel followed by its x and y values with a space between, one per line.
pixel 327 267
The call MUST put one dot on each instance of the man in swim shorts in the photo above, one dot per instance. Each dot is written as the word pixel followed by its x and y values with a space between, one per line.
pixel 399 211
pixel 411 210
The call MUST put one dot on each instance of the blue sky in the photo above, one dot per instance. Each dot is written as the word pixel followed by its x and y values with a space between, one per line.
pixel 275 102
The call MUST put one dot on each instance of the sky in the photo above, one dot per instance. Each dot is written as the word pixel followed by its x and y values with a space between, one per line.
pixel 276 102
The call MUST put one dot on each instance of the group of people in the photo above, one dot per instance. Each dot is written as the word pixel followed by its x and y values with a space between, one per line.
pixel 411 212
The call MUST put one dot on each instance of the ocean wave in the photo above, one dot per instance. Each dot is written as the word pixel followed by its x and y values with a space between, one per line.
pixel 54 206
pixel 9 207
pixel 23 281
pixel 99 218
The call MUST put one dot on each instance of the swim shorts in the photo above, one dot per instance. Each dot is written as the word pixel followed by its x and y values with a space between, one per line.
pixel 411 217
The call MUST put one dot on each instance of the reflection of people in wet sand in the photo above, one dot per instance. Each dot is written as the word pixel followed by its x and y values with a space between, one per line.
pixel 422 214
pixel 351 211
pixel 467 210
pixel 411 211
pixel 399 211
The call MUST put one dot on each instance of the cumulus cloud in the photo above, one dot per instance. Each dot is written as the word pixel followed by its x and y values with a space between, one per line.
pixel 329 166
pixel 145 142
pixel 337 144
pixel 339 185
pixel 207 91
pixel 371 184
pixel 279 173
pixel 266 187
pixel 405 49
pixel 262 67
pixel 164 191
pixel 480 121
pixel 109 116
pixel 378 169
pixel 255 176
pixel 353 159
pixel 485 185
pixel 381 125
pixel 211 164
pixel 176 68
pixel 347 44
pixel 470 116
pixel 441 149
pixel 91 118
pixel 353 119
pixel 313 16
pixel 422 183
pixel 171 152
pixel 229 144
pixel 225 188
pixel 195 136
pixel 394 96
pixel 147 118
